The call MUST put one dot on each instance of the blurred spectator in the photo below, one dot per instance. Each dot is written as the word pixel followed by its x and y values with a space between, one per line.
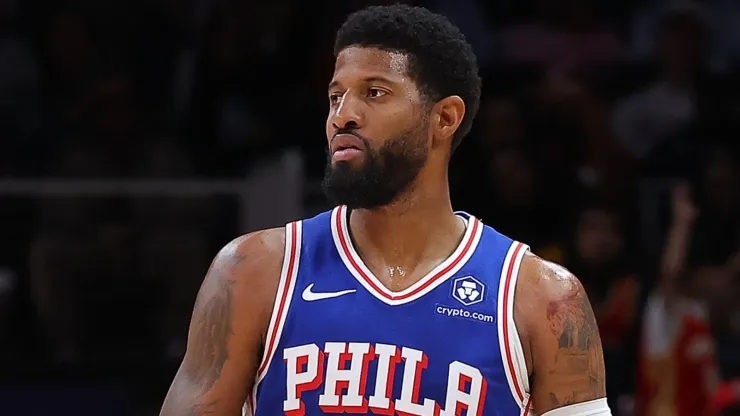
pixel 717 231
pixel 596 254
pixel 478 31
pixel 603 166
pixel 19 81
pixel 171 243
pixel 80 159
pixel 722 19
pixel 175 261
pixel 678 370
pixel 725 315
pixel 586 144
pixel 726 401
pixel 501 124
pixel 60 265
pixel 112 106
pixel 64 255
pixel 599 258
pixel 647 118
pixel 72 63
pixel 8 295
pixel 114 327
pixel 565 36
pixel 164 159
pixel 510 183
pixel 715 252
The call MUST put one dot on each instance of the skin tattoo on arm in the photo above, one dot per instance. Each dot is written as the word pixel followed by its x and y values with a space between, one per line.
pixel 208 342
pixel 211 331
pixel 578 364
pixel 563 348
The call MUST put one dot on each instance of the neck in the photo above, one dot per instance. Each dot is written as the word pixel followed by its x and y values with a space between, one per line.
pixel 407 230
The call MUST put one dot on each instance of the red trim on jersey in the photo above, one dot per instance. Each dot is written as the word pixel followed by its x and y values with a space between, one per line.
pixel 528 407
pixel 252 405
pixel 283 299
pixel 509 361
pixel 428 280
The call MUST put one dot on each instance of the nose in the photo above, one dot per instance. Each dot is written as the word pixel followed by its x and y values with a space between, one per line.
pixel 347 114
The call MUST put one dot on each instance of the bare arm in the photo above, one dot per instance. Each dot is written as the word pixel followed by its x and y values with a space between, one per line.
pixel 560 336
pixel 227 329
pixel 679 237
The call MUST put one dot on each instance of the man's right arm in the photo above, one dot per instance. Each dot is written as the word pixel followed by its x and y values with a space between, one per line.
pixel 227 329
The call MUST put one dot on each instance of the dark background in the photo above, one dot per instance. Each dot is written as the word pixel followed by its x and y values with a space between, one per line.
pixel 172 126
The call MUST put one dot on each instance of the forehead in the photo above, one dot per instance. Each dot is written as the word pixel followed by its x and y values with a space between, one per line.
pixel 360 63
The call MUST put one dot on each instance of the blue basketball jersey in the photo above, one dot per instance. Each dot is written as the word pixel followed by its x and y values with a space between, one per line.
pixel 339 341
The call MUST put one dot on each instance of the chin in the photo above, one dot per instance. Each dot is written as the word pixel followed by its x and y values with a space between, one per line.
pixel 352 165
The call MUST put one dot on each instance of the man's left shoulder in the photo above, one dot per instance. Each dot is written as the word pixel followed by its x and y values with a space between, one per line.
pixel 562 335
pixel 560 305
pixel 545 281
pixel 547 294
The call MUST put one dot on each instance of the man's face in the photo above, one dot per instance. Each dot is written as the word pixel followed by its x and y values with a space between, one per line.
pixel 377 129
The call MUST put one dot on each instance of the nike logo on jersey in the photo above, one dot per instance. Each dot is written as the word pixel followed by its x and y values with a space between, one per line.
pixel 309 295
pixel 343 369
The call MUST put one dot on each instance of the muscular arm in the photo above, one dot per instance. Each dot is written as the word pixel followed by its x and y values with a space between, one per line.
pixel 560 336
pixel 227 329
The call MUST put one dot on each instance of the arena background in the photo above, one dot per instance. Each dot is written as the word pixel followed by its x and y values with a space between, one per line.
pixel 139 136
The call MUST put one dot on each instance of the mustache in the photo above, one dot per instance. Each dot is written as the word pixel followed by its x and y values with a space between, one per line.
pixel 352 132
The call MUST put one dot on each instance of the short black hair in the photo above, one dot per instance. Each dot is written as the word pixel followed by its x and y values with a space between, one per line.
pixel 440 60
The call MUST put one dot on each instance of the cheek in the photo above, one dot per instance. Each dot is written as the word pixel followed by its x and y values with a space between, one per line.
pixel 329 128
pixel 388 132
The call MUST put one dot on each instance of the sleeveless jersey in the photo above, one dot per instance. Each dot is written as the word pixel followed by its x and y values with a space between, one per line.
pixel 339 341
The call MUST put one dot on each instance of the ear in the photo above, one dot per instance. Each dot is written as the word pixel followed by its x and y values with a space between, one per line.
pixel 447 115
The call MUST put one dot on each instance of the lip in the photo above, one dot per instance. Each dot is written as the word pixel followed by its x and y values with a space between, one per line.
pixel 345 141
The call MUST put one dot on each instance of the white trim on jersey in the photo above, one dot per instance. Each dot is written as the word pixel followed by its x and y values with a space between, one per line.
pixel 441 273
pixel 512 353
pixel 283 297
pixel 598 407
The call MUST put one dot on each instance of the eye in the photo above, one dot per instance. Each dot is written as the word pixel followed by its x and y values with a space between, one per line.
pixel 375 93
pixel 334 98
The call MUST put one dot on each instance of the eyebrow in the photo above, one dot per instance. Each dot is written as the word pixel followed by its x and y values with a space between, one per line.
pixel 376 78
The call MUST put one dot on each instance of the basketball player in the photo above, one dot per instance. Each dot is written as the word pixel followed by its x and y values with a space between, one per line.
pixel 391 303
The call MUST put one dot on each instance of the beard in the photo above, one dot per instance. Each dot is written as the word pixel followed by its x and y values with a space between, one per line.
pixel 383 174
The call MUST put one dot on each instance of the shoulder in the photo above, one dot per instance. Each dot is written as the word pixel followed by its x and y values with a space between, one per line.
pixel 246 271
pixel 546 274
pixel 546 284
pixel 561 338
pixel 257 251
pixel 229 325
pixel 547 294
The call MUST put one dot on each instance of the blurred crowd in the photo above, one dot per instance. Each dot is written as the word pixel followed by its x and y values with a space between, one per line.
pixel 606 140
